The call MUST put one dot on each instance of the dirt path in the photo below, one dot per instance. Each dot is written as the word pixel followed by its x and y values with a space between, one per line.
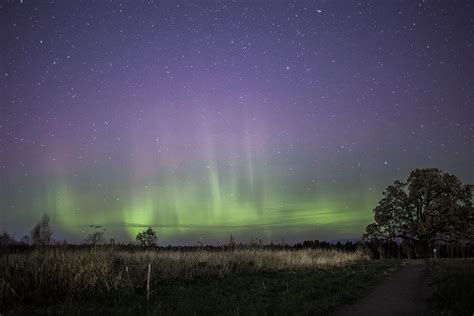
pixel 404 293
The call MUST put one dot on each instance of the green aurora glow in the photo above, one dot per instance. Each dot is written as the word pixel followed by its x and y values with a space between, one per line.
pixel 209 203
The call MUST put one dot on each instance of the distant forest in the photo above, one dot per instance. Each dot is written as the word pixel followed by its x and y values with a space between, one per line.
pixel 388 250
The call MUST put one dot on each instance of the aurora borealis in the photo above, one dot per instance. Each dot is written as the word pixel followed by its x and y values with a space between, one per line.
pixel 266 119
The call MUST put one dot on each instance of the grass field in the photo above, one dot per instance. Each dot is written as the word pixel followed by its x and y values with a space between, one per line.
pixel 453 285
pixel 245 281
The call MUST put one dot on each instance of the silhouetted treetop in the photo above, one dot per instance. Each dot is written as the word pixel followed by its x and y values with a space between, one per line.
pixel 41 232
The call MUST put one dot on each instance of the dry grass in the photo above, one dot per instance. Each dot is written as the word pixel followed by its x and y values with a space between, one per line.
pixel 42 275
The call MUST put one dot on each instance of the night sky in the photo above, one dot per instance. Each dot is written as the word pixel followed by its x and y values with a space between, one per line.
pixel 267 119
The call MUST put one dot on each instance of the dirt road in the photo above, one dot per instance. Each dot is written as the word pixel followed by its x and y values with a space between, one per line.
pixel 404 293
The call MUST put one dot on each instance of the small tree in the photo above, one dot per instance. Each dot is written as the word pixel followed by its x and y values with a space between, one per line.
pixel 6 240
pixel 25 240
pixel 147 238
pixel 231 244
pixel 42 232
pixel 96 237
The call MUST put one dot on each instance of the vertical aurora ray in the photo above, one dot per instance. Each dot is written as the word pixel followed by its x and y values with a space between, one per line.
pixel 60 200
pixel 214 185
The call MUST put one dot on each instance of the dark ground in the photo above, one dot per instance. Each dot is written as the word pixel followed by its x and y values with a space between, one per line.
pixel 314 292
pixel 376 287
pixel 404 293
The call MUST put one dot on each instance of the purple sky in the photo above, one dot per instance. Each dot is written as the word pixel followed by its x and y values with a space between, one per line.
pixel 271 119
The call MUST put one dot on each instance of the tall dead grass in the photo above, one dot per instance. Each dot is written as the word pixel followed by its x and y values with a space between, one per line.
pixel 45 274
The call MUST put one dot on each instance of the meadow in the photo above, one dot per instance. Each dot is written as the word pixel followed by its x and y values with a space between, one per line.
pixel 453 286
pixel 247 280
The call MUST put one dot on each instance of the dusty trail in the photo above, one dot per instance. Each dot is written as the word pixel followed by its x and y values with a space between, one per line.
pixel 404 293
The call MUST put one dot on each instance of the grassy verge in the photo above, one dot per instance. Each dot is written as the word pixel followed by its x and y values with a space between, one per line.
pixel 453 286
pixel 228 283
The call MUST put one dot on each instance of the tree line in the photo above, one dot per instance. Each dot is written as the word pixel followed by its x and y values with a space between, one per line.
pixel 42 232
pixel 41 235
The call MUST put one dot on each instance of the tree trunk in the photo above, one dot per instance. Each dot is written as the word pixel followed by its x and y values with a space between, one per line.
pixel 423 246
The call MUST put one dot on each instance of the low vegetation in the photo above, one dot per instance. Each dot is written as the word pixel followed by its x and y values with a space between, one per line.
pixel 244 280
pixel 453 286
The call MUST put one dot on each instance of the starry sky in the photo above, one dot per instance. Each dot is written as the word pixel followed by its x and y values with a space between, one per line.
pixel 279 120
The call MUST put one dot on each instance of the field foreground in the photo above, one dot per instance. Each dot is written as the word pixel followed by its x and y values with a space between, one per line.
pixel 184 282
pixel 453 286
pixel 244 281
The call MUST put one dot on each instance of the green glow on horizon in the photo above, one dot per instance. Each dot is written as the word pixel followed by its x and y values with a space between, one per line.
pixel 212 201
